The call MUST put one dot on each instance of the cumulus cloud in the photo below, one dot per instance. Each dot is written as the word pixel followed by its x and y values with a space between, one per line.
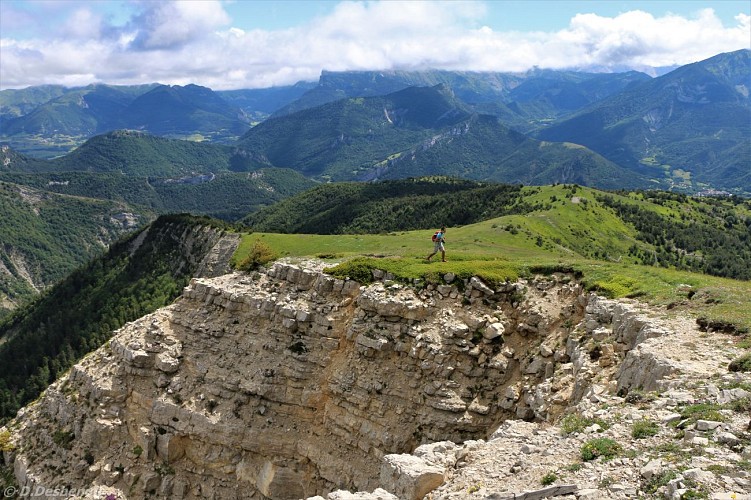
pixel 181 42
pixel 83 24
pixel 172 25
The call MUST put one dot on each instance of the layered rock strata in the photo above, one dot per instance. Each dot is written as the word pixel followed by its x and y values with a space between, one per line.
pixel 291 383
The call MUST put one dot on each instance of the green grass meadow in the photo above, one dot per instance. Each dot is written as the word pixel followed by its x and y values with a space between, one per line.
pixel 577 236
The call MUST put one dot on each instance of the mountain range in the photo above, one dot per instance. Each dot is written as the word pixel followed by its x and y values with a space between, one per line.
pixel 687 129
pixel 416 132
pixel 692 123
pixel 521 100
pixel 71 116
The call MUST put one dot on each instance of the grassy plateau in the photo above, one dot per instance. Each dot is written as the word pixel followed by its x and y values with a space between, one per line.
pixel 571 231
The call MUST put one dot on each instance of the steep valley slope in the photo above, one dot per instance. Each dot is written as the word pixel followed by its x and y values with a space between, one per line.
pixel 289 383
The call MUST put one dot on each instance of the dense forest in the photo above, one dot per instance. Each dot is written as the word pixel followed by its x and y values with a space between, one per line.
pixel 225 195
pixel 350 208
pixel 80 314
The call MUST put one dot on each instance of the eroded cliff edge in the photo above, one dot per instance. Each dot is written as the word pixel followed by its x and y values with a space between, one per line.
pixel 291 383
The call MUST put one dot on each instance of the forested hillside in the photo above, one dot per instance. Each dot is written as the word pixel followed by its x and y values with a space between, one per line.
pixel 706 235
pixel 351 208
pixel 417 132
pixel 158 174
pixel 485 149
pixel 691 125
pixel 225 195
pixel 183 112
pixel 343 140
pixel 45 236
pixel 136 276
pixel 139 155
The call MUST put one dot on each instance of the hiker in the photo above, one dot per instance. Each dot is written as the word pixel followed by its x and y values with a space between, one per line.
pixel 438 239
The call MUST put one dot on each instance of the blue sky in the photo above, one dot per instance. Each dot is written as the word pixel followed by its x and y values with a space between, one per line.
pixel 511 15
pixel 227 44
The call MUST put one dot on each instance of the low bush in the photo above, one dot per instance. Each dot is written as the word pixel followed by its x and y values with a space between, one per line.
pixel 639 396
pixel 260 255
pixel 63 439
pixel 5 442
pixel 658 480
pixel 574 423
pixel 741 364
pixel 549 478
pixel 701 411
pixel 644 428
pixel 359 269
pixel 600 447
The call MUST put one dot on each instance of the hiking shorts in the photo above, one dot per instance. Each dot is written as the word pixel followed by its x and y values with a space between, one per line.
pixel 439 247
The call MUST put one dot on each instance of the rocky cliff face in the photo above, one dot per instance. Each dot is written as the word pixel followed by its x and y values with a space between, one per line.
pixel 291 383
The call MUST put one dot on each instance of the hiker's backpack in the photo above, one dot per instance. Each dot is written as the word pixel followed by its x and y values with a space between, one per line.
pixel 435 236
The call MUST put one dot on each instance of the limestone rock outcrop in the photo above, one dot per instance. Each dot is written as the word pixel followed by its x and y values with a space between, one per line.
pixel 290 383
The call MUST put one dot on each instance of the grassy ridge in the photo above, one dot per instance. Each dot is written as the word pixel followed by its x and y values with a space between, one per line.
pixel 707 235
pixel 569 229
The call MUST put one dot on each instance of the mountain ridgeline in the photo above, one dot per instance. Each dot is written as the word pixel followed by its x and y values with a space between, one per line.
pixel 693 124
pixel 416 132
pixel 520 99
pixel 74 115
pixel 686 130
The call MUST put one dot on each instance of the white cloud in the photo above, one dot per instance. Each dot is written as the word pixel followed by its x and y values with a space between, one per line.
pixel 184 42
pixel 170 25
pixel 83 24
